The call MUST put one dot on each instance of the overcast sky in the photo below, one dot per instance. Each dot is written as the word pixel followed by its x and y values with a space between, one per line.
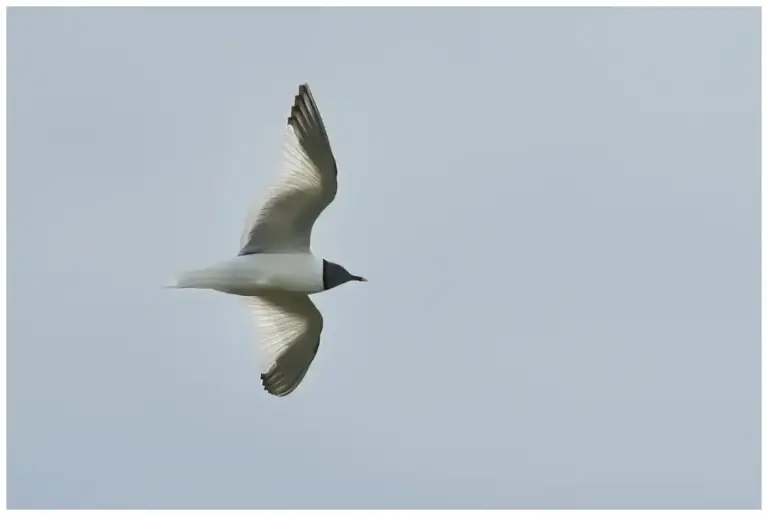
pixel 557 210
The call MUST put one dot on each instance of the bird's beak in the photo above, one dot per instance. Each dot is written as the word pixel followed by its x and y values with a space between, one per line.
pixel 360 278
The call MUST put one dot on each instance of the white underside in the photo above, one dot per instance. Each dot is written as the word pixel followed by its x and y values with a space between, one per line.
pixel 257 274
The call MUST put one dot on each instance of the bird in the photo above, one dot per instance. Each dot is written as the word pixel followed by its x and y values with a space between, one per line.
pixel 275 270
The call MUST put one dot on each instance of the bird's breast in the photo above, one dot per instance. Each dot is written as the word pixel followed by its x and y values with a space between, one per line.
pixel 255 273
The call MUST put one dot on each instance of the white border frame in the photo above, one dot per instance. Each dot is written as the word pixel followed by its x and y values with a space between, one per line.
pixel 178 3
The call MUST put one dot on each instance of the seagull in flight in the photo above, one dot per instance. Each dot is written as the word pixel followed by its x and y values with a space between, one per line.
pixel 275 270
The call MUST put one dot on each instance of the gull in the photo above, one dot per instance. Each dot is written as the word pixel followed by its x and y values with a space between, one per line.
pixel 275 270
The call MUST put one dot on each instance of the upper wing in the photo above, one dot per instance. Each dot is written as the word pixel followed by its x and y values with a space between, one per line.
pixel 290 327
pixel 307 184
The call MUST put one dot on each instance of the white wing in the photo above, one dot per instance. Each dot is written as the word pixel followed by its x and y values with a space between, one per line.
pixel 290 327
pixel 307 184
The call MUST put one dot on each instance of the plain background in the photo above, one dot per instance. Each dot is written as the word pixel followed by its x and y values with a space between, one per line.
pixel 557 209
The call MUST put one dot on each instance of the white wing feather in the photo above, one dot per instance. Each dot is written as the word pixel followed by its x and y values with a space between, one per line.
pixel 306 186
pixel 290 327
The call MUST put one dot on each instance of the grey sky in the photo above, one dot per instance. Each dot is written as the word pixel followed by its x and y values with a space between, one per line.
pixel 557 210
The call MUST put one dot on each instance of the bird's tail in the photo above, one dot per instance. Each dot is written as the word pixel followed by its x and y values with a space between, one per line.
pixel 191 279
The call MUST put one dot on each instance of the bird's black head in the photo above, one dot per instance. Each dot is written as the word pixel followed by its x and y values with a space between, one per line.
pixel 335 275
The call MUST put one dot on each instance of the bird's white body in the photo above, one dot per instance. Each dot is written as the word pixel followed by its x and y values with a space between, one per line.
pixel 275 269
pixel 258 274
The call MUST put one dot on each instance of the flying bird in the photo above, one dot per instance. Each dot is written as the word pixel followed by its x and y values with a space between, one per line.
pixel 275 270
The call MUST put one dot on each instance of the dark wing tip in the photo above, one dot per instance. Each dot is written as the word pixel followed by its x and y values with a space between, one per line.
pixel 277 383
pixel 307 124
pixel 297 117
pixel 272 383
